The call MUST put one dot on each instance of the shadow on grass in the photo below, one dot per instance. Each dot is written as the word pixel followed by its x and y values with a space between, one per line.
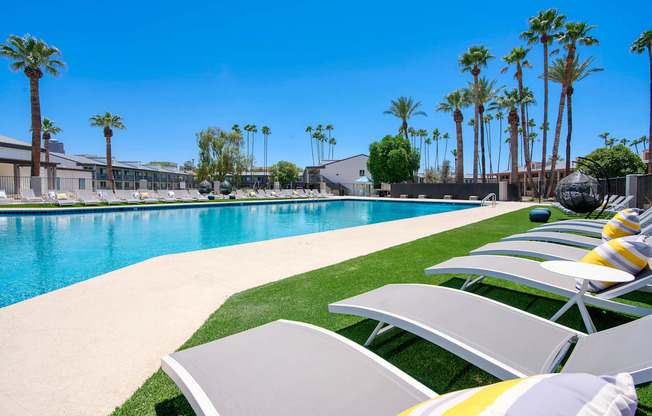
pixel 175 406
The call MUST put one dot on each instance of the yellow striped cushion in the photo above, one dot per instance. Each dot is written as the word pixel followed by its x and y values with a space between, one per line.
pixel 629 254
pixel 623 224
pixel 61 196
pixel 548 394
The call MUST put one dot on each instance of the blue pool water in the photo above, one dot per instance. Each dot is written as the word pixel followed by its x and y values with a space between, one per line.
pixel 42 253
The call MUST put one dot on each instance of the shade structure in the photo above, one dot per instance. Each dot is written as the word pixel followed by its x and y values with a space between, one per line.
pixel 362 186
pixel 579 192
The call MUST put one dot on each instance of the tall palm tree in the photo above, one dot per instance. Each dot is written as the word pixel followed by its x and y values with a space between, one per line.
pixel 427 142
pixel 573 35
pixel 604 137
pixel 318 142
pixel 445 137
pixel 511 99
pixel 518 56
pixel 543 28
pixel 32 56
pixel 48 129
pixel 485 93
pixel 475 57
pixel 638 46
pixel 266 132
pixel 578 72
pixel 487 126
pixel 404 108
pixel 453 103
pixel 435 137
pixel 641 140
pixel 412 132
pixel 329 128
pixel 312 153
pixel 236 129
pixel 499 116
pixel 253 131
pixel 334 143
pixel 624 142
pixel 108 121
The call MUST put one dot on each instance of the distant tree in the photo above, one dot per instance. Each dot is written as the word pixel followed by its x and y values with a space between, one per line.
pixel 49 129
pixel 511 100
pixel 164 164
pixel 312 152
pixel 453 103
pixel 641 140
pixel 392 159
pixel 32 56
pixel 108 121
pixel 188 165
pixel 219 154
pixel 284 172
pixel 617 161
pixel 644 42
pixel 472 60
pixel 404 108
pixel 445 172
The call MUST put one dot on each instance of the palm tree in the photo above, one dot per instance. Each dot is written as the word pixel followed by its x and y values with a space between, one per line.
pixel 624 142
pixel 499 116
pixel 543 28
pixel 48 129
pixel 485 93
pixel 475 57
pixel 412 132
pixel 453 103
pixel 487 125
pixel 266 132
pixel 334 143
pixel 638 46
pixel 312 153
pixel 329 128
pixel 236 129
pixel 253 131
pixel 604 136
pixel 641 140
pixel 108 121
pixel 32 56
pixel 404 108
pixel 511 99
pixel 331 147
pixel 574 35
pixel 318 142
pixel 445 137
pixel 610 142
pixel 517 56
pixel 427 142
pixel 578 72
pixel 435 138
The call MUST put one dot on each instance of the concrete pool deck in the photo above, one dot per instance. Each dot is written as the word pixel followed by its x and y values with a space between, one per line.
pixel 86 348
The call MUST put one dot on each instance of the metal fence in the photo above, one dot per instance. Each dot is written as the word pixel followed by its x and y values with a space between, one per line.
pixel 12 184
pixel 617 186
pixel 438 190
pixel 644 191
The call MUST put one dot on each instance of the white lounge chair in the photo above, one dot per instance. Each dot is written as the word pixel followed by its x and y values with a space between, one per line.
pixel 196 195
pixel 4 199
pixel 644 219
pixel 536 249
pixel 28 196
pixel 531 273
pixel 502 340
pixel 291 368
pixel 86 197
pixel 128 197
pixel 108 197
pixel 183 195
pixel 144 196
pixel 163 196
pixel 63 199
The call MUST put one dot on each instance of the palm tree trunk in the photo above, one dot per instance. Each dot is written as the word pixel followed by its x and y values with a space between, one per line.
pixel 459 162
pixel 488 126
pixel 550 182
pixel 475 73
pixel 36 125
pixel 544 138
pixel 109 161
pixel 500 144
pixel 569 115
pixel 649 137
pixel 312 152
pixel 513 132
pixel 526 142
pixel 484 175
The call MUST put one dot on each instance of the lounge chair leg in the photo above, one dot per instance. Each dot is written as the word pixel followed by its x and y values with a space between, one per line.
pixel 381 328
pixel 470 282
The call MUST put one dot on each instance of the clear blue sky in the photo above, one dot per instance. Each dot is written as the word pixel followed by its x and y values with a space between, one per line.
pixel 171 69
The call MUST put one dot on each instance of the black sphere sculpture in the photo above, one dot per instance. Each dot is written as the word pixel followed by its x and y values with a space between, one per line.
pixel 225 188
pixel 204 187
pixel 579 192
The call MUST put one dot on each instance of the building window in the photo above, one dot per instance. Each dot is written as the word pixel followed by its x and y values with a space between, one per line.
pixel 361 172
pixel 82 183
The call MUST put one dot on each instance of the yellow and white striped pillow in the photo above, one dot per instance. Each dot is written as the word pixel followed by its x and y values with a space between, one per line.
pixel 549 394
pixel 62 196
pixel 629 254
pixel 623 224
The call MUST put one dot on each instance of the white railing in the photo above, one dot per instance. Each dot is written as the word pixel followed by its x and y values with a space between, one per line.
pixel 491 197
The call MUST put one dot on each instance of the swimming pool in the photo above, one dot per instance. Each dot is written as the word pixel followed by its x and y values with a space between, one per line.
pixel 42 253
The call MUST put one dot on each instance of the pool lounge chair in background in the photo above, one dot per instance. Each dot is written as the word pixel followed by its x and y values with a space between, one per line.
pixel 163 196
pixel 63 199
pixel 128 197
pixel 644 217
pixel 145 196
pixel 27 195
pixel 566 238
pixel 536 249
pixel 531 273
pixel 500 339
pixel 4 199
pixel 184 195
pixel 196 195
pixel 86 197
pixel 109 198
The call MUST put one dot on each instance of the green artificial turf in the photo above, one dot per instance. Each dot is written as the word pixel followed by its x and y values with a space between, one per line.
pixel 305 298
